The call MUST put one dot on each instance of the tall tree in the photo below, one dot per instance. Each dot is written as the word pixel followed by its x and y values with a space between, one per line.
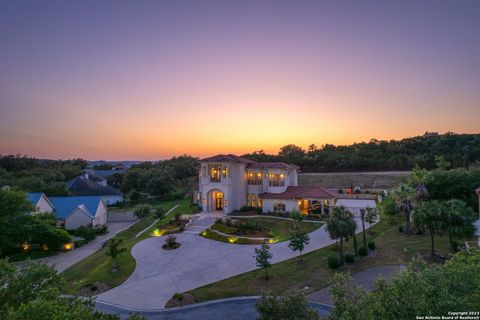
pixel 14 218
pixel 459 220
pixel 404 197
pixel 340 225
pixel 114 251
pixel 428 215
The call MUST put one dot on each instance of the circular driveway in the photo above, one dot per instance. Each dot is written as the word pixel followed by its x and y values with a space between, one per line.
pixel 199 261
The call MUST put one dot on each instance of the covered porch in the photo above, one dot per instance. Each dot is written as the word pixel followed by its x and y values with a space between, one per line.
pixel 315 206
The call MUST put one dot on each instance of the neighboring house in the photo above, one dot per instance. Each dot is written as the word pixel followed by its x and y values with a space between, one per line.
pixel 356 206
pixel 81 186
pixel 71 212
pixel 229 182
pixel 40 202
pixel 75 211
pixel 92 176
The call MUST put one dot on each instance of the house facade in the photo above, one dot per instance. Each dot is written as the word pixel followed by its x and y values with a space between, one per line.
pixel 71 212
pixel 229 182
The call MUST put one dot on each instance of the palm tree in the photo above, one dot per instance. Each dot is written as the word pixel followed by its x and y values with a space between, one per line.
pixel 459 220
pixel 419 179
pixel 428 215
pixel 340 225
pixel 404 196
pixel 362 216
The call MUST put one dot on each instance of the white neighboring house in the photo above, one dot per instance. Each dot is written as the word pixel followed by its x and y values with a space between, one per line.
pixel 356 206
pixel 40 202
pixel 229 182
pixel 71 212
pixel 74 212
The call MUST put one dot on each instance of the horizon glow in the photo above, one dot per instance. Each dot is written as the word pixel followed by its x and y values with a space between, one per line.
pixel 147 80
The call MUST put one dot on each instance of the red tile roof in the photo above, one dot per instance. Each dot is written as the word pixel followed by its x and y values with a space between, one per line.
pixel 299 192
pixel 250 163
pixel 227 158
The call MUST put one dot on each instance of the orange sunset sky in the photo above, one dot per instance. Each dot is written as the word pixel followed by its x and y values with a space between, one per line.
pixel 149 80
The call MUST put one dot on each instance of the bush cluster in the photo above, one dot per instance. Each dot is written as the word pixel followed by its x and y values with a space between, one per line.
pixel 334 262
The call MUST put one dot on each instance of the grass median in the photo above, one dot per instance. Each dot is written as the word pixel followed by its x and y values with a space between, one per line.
pixel 94 274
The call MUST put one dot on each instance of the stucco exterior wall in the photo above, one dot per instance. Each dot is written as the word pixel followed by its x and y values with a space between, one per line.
pixel 77 219
pixel 100 216
pixel 290 205
pixel 43 205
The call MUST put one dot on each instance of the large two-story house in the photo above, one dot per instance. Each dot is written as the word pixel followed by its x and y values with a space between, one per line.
pixel 229 182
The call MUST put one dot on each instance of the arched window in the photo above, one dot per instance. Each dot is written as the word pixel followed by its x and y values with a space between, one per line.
pixel 254 200
pixel 279 207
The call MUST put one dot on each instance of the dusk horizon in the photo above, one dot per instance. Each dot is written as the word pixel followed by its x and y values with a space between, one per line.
pixel 121 80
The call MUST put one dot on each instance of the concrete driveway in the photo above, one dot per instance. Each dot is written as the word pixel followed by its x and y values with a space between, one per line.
pixel 199 261
pixel 65 260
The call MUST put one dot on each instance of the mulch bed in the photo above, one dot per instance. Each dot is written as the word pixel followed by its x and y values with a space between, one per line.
pixel 94 288
pixel 186 298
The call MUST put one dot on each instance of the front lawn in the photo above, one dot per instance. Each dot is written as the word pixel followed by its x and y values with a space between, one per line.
pixel 313 273
pixel 95 271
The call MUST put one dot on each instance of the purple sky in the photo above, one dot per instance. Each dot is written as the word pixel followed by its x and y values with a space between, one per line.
pixel 151 79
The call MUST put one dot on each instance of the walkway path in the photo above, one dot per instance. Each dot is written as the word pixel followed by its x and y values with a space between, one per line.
pixel 65 260
pixel 198 262
pixel 365 279
pixel 240 308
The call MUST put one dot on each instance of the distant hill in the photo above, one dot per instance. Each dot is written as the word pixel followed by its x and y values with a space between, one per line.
pixel 364 180
pixel 428 151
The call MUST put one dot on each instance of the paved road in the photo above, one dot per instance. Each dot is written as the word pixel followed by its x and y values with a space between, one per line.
pixel 64 260
pixel 364 279
pixel 231 309
pixel 199 261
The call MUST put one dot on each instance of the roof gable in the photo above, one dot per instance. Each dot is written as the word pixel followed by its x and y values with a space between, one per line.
pixel 65 205
pixel 34 197
pixel 227 158
pixel 81 186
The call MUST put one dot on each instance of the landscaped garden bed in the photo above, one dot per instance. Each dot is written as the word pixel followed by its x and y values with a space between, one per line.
pixel 255 230
pixel 170 228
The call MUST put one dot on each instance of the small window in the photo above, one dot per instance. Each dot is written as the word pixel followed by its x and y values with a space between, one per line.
pixel 279 207
pixel 254 200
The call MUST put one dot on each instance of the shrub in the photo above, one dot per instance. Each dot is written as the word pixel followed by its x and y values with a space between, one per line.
pixel 177 216
pixel 362 251
pixel 246 208
pixel 99 230
pixel 171 241
pixel 142 210
pixel 420 232
pixel 159 213
pixel 80 243
pixel 349 258
pixel 400 229
pixel 196 208
pixel 85 232
pixel 371 245
pixel 333 262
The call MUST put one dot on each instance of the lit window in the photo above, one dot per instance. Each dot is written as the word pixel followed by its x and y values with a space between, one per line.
pixel 215 172
pixel 225 172
pixel 279 207
pixel 276 179
pixel 254 200
pixel 248 199
pixel 259 202
pixel 254 178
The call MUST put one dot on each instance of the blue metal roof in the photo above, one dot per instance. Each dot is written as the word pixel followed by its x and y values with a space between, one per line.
pixel 33 197
pixel 65 205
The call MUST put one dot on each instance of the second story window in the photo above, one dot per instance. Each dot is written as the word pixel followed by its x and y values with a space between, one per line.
pixel 215 172
pixel 254 178
pixel 225 172
pixel 277 179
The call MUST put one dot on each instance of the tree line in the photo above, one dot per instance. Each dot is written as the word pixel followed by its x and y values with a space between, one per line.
pixel 31 174
pixel 458 150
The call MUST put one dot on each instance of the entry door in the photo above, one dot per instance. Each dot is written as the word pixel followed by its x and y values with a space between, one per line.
pixel 219 202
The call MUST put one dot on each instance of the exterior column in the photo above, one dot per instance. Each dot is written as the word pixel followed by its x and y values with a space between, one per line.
pixel 323 207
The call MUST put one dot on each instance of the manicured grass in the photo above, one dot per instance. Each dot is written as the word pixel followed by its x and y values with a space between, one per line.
pixel 98 266
pixel 393 248
pixel 282 229
pixel 31 255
